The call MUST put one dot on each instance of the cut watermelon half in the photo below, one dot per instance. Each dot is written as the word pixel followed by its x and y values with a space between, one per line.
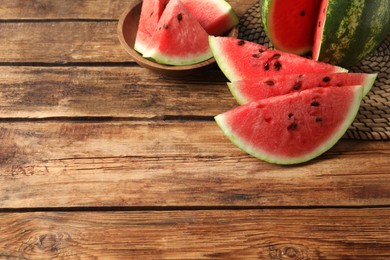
pixel 290 25
pixel 151 12
pixel 179 39
pixel 249 90
pixel 239 59
pixel 215 16
pixel 292 128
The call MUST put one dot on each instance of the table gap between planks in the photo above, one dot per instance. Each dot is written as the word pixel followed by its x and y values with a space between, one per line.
pixel 100 158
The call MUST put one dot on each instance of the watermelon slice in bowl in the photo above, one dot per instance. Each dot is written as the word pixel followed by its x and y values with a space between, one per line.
pixel 249 90
pixel 179 39
pixel 292 128
pixel 127 32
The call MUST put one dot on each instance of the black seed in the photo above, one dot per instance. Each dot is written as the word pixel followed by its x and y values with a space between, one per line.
pixel 159 28
pixel 318 119
pixel 180 17
pixel 290 115
pixel 297 86
pixel 269 83
pixel 293 126
pixel 266 66
pixel 276 56
pixel 166 26
pixel 302 13
pixel 241 42
pixel 256 55
pixel 278 65
pixel 326 79
pixel 319 24
pixel 261 50
pixel 315 104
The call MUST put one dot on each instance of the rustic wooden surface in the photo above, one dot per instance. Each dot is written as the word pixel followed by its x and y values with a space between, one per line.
pixel 100 158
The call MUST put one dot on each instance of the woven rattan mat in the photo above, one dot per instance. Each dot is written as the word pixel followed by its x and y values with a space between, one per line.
pixel 373 119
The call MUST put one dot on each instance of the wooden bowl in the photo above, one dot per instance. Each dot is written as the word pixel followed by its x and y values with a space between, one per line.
pixel 127 30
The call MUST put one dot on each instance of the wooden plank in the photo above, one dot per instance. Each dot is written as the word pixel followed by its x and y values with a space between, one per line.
pixel 41 92
pixel 60 164
pixel 244 234
pixel 61 42
pixel 78 9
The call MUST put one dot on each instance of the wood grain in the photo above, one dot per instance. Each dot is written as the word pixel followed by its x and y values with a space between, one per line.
pixel 174 163
pixel 78 9
pixel 61 42
pixel 42 92
pixel 251 234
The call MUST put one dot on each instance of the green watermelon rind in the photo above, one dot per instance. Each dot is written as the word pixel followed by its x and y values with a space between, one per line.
pixel 155 55
pixel 219 57
pixel 368 83
pixel 353 29
pixel 262 155
pixel 242 99
pixel 139 47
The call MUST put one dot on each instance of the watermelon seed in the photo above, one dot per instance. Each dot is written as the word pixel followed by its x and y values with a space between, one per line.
pixel 241 42
pixel 319 24
pixel 261 50
pixel 278 65
pixel 302 13
pixel 290 115
pixel 326 79
pixel 276 56
pixel 166 26
pixel 256 55
pixel 315 104
pixel 266 66
pixel 318 119
pixel 293 126
pixel 269 83
pixel 180 17
pixel 297 86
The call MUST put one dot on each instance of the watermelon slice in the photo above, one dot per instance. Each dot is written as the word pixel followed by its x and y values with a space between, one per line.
pixel 215 16
pixel 151 12
pixel 239 59
pixel 290 25
pixel 292 128
pixel 249 90
pixel 179 39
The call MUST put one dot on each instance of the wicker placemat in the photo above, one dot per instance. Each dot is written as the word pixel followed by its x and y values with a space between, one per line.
pixel 373 120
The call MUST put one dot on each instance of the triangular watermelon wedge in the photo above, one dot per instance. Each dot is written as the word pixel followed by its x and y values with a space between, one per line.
pixel 179 39
pixel 249 90
pixel 239 59
pixel 292 128
pixel 151 12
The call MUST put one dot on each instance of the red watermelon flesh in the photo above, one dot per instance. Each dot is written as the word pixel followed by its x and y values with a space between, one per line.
pixel 319 29
pixel 151 12
pixel 292 128
pixel 291 24
pixel 215 16
pixel 239 59
pixel 249 90
pixel 179 39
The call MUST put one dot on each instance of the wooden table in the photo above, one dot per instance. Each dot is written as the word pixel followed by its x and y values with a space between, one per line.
pixel 100 158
